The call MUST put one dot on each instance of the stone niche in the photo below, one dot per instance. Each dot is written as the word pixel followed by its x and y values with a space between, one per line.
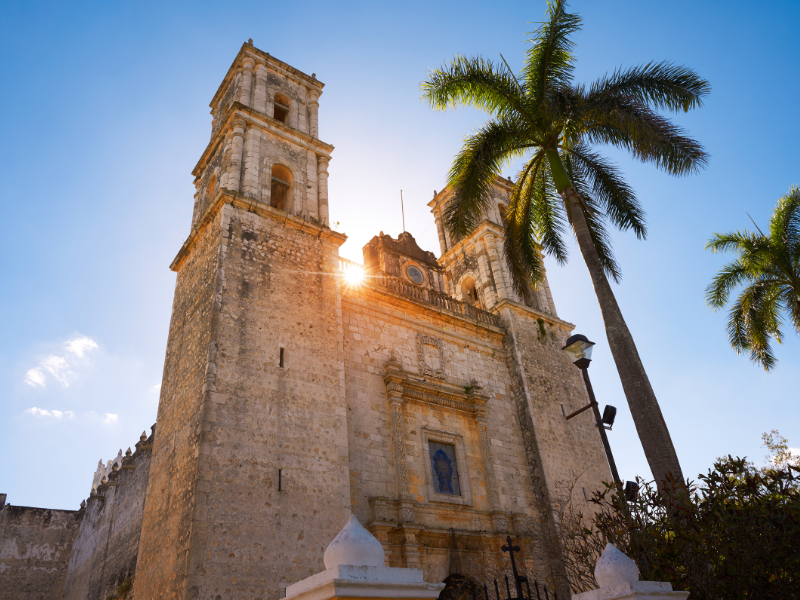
pixel 403 259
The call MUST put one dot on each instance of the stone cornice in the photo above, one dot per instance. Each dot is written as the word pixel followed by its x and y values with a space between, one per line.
pixel 532 313
pixel 444 195
pixel 260 208
pixel 251 115
pixel 259 56
pixel 410 387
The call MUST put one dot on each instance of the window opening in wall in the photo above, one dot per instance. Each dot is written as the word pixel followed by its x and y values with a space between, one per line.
pixel 469 293
pixel 280 471
pixel 280 185
pixel 444 469
pixel 281 358
pixel 501 208
pixel 281 108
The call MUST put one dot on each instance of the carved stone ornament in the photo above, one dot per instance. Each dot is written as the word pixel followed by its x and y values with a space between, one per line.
pixel 431 356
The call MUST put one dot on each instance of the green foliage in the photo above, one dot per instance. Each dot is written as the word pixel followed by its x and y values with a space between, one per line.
pixel 768 269
pixel 542 116
pixel 734 534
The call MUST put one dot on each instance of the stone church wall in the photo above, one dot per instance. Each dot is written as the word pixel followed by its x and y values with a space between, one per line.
pixel 35 548
pixel 105 551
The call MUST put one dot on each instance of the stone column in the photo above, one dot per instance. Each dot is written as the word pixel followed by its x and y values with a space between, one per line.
pixel 247 81
pixel 322 187
pixel 499 278
pixel 439 227
pixel 486 448
pixel 395 392
pixel 252 156
pixel 489 294
pixel 313 113
pixel 226 157
pixel 260 97
pixel 237 144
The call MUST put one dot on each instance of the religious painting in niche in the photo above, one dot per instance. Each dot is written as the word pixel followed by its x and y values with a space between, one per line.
pixel 444 470
pixel 430 352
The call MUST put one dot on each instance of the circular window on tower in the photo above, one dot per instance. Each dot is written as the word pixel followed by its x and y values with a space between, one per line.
pixel 414 273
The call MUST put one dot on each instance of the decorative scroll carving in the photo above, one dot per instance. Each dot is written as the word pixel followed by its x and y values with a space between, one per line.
pixel 487 459
pixel 430 351
pixel 408 517
pixel 400 445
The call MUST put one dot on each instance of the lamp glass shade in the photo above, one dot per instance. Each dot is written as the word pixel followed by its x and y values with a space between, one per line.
pixel 578 347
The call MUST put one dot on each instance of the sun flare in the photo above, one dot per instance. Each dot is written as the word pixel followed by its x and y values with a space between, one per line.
pixel 354 275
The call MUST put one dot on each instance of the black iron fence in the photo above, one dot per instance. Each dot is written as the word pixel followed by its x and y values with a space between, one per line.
pixel 519 580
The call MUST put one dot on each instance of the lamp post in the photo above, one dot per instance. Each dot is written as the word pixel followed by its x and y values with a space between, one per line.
pixel 579 349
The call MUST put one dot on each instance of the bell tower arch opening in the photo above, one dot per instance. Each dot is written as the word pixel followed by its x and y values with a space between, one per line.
pixel 281 105
pixel 280 187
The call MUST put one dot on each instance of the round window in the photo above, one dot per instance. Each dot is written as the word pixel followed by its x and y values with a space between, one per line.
pixel 415 275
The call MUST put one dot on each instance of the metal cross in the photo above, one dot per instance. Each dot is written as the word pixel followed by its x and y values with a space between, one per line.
pixel 518 580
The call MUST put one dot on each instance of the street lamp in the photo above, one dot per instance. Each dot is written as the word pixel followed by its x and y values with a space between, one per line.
pixel 579 349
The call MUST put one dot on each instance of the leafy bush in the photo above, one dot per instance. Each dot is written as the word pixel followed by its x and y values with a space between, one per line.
pixel 734 534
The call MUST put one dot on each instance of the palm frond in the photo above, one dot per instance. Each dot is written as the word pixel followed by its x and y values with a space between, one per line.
pixel 475 168
pixel 625 122
pixel 753 321
pixel 475 82
pixel 614 195
pixel 522 255
pixel 659 85
pixel 784 226
pixel 728 279
pixel 550 61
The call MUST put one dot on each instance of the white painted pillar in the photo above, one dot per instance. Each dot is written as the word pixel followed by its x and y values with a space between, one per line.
pixel 322 183
pixel 260 96
pixel 252 160
pixel 313 113
pixel 247 81
pixel 237 145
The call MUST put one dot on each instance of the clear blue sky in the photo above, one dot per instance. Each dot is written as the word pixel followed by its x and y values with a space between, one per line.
pixel 104 111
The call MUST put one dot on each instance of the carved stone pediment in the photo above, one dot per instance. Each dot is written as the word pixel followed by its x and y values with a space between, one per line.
pixel 410 387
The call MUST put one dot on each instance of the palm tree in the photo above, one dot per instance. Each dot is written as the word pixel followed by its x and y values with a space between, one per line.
pixel 770 265
pixel 552 123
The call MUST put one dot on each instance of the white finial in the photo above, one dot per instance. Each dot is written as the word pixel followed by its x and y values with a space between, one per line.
pixel 615 567
pixel 354 546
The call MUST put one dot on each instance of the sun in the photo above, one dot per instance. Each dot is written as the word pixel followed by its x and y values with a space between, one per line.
pixel 354 276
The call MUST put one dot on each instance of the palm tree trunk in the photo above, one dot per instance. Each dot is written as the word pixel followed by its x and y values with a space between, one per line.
pixel 647 417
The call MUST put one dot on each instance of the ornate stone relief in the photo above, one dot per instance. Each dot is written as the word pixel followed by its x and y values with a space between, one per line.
pixel 487 458
pixel 400 446
pixel 432 361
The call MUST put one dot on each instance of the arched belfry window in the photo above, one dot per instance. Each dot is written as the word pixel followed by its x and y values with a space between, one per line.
pixel 469 293
pixel 281 106
pixel 279 188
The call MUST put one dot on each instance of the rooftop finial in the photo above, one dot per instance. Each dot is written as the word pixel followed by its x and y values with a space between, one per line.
pixel 143 437
pixel 128 451
pixel 250 41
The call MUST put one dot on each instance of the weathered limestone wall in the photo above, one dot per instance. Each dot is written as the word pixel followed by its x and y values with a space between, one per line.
pixel 552 387
pixel 167 531
pixel 35 547
pixel 417 526
pixel 267 291
pixel 105 552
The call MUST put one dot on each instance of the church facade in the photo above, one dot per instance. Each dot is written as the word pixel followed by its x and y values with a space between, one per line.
pixel 429 399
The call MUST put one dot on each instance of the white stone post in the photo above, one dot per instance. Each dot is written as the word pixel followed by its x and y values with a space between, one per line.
pixel 252 155
pixel 313 113
pixel 354 569
pixel 247 81
pixel 322 186
pixel 618 577
pixel 260 97
pixel 235 167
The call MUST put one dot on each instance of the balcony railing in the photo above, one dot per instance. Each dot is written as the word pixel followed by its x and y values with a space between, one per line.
pixel 424 295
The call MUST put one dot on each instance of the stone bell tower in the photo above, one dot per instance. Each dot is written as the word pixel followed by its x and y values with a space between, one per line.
pixel 249 476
